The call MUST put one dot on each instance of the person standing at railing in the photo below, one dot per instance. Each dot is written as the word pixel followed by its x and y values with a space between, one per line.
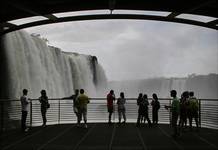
pixel 155 108
pixel 43 99
pixel 75 103
pixel 175 110
pixel 110 104
pixel 121 107
pixel 83 100
pixel 140 112
pixel 193 106
pixel 183 109
pixel 24 106
pixel 145 114
pixel 142 102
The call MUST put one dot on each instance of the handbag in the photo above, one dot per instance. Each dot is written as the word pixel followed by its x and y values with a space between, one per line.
pixel 48 105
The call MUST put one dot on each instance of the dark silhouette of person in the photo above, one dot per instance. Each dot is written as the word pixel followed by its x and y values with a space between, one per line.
pixel 175 110
pixel 140 109
pixel 183 109
pixel 24 106
pixel 121 107
pixel 43 99
pixel 83 100
pixel 194 109
pixel 110 104
pixel 155 107
pixel 145 104
pixel 74 97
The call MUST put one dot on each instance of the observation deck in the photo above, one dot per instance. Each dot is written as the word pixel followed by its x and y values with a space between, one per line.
pixel 63 134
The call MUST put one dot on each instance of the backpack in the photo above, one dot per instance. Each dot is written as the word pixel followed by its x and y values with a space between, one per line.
pixel 193 102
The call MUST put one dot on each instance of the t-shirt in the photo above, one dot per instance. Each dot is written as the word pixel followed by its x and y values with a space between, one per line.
pixel 83 100
pixel 143 104
pixel 110 99
pixel 75 100
pixel 24 103
pixel 121 102
pixel 155 104
pixel 193 103
pixel 175 105
pixel 44 101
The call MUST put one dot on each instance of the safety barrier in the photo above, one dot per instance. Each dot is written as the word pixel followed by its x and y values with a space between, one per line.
pixel 61 111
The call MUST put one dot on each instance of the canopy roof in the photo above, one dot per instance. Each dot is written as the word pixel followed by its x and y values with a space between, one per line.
pixel 17 9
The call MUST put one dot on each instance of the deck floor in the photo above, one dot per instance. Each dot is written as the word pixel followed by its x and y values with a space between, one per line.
pixel 101 136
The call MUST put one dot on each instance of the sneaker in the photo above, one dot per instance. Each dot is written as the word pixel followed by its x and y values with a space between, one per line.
pixel 85 126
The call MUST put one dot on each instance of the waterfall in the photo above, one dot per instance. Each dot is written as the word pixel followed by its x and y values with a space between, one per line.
pixel 34 65
pixel 204 86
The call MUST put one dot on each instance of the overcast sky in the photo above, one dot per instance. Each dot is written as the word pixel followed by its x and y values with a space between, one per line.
pixel 131 49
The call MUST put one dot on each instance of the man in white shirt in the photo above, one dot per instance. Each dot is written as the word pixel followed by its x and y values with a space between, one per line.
pixel 24 106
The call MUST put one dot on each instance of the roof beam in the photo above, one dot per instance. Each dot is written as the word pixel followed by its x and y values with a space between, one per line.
pixel 6 25
pixel 213 22
pixel 51 17
pixel 200 5
pixel 25 9
pixel 175 14
pixel 111 16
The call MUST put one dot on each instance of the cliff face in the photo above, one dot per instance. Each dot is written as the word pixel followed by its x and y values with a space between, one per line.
pixel 30 63
pixel 204 86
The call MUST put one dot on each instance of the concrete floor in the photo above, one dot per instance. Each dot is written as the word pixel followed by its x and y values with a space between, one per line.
pixel 101 136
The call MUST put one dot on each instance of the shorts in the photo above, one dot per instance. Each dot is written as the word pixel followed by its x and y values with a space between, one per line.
pixel 110 109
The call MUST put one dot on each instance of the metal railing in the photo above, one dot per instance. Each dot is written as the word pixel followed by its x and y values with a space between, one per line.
pixel 61 111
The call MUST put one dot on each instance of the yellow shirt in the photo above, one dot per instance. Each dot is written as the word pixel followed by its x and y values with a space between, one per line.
pixel 83 100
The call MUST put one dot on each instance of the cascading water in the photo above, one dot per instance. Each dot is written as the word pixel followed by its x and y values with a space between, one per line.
pixel 28 62
pixel 34 65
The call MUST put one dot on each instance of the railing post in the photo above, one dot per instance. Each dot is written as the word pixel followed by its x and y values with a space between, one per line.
pixel 114 110
pixel 2 115
pixel 31 113
pixel 199 111
pixel 59 111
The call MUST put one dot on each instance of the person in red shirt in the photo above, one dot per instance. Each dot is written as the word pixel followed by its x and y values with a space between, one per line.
pixel 110 103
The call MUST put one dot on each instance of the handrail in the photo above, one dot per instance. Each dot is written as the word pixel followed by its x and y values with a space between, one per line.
pixel 61 111
pixel 101 98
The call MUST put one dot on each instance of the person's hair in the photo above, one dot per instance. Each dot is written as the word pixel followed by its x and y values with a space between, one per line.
pixel 173 93
pixel 140 95
pixel 25 91
pixel 145 96
pixel 191 93
pixel 81 91
pixel 76 91
pixel 112 91
pixel 185 94
pixel 154 95
pixel 122 95
pixel 43 92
